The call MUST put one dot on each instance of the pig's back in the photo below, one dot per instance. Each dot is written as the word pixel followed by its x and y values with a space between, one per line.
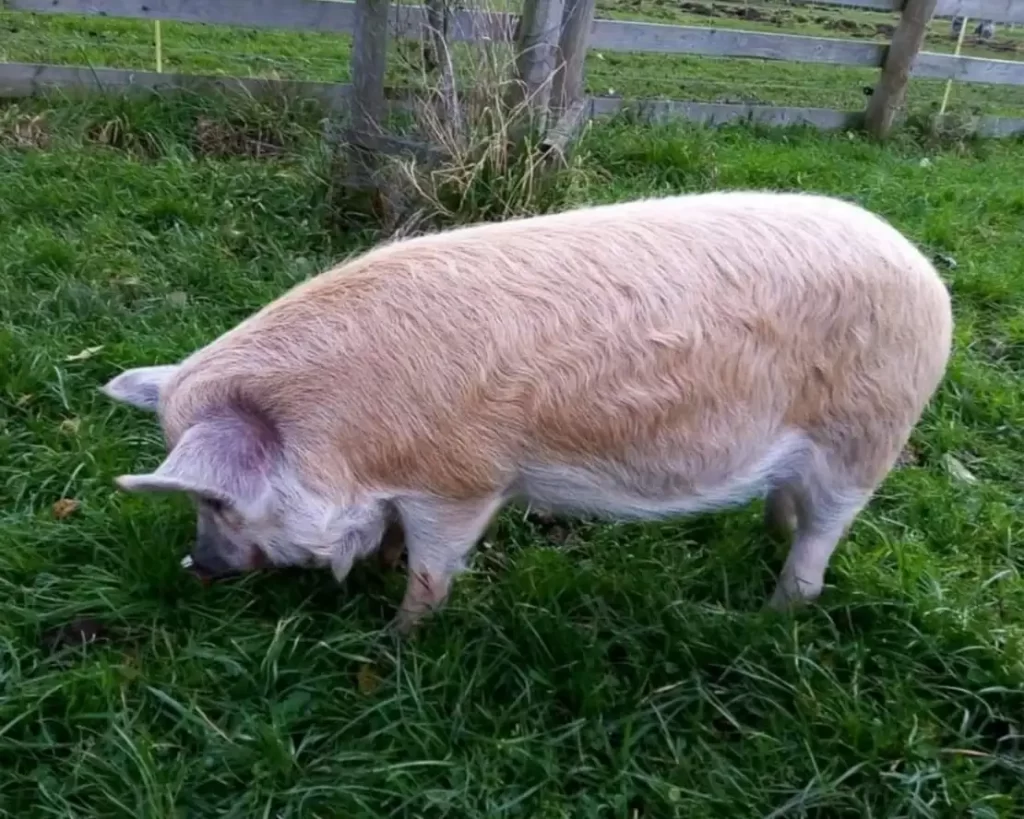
pixel 595 332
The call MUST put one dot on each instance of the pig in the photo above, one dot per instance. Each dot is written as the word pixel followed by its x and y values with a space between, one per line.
pixel 640 360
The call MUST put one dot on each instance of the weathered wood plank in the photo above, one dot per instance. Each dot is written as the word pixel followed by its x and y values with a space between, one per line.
pixel 826 119
pixel 891 89
pixel 369 63
pixel 999 126
pixel 537 56
pixel 618 35
pixel 300 14
pixel 715 113
pixel 932 66
pixel 30 79
pixel 560 138
pixel 305 15
pixel 577 23
pixel 999 11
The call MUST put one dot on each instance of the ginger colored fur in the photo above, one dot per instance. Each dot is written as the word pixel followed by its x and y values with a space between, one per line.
pixel 641 359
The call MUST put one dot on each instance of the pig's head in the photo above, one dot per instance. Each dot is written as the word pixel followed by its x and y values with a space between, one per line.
pixel 253 510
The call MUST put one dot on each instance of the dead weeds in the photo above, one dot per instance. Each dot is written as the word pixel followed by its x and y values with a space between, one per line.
pixel 220 139
pixel 26 132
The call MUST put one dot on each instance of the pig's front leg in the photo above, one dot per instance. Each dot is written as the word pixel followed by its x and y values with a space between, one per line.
pixel 439 535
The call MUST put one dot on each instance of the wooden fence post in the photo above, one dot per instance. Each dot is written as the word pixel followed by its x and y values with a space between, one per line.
pixel 891 89
pixel 577 21
pixel 537 53
pixel 369 61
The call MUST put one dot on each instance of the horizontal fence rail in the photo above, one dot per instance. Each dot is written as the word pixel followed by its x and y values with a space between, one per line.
pixel 620 35
pixel 719 113
pixel 932 66
pixel 26 79
pixel 660 111
pixel 724 113
pixel 302 15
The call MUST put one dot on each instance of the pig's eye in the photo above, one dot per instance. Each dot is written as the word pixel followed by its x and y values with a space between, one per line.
pixel 216 505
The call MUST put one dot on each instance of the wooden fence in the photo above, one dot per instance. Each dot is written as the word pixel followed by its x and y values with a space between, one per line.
pixel 554 36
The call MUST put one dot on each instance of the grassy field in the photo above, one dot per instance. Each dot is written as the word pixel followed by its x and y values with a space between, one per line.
pixel 581 670
pixel 191 48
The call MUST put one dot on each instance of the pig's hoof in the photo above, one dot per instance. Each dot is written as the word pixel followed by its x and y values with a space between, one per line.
pixel 405 623
pixel 792 597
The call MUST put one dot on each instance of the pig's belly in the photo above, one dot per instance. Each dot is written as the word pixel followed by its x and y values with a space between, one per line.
pixel 665 486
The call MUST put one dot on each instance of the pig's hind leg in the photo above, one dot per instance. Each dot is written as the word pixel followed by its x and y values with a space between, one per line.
pixel 819 504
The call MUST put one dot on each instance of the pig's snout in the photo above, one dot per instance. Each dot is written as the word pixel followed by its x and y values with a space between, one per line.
pixel 203 572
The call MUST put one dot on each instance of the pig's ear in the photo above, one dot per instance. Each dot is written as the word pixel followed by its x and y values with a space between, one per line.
pixel 229 460
pixel 140 387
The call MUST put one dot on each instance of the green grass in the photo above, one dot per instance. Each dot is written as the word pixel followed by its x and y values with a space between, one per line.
pixel 195 49
pixel 597 671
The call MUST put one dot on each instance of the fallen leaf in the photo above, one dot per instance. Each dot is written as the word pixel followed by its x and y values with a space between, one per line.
pixel 367 680
pixel 958 470
pixel 70 426
pixel 88 352
pixel 65 507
